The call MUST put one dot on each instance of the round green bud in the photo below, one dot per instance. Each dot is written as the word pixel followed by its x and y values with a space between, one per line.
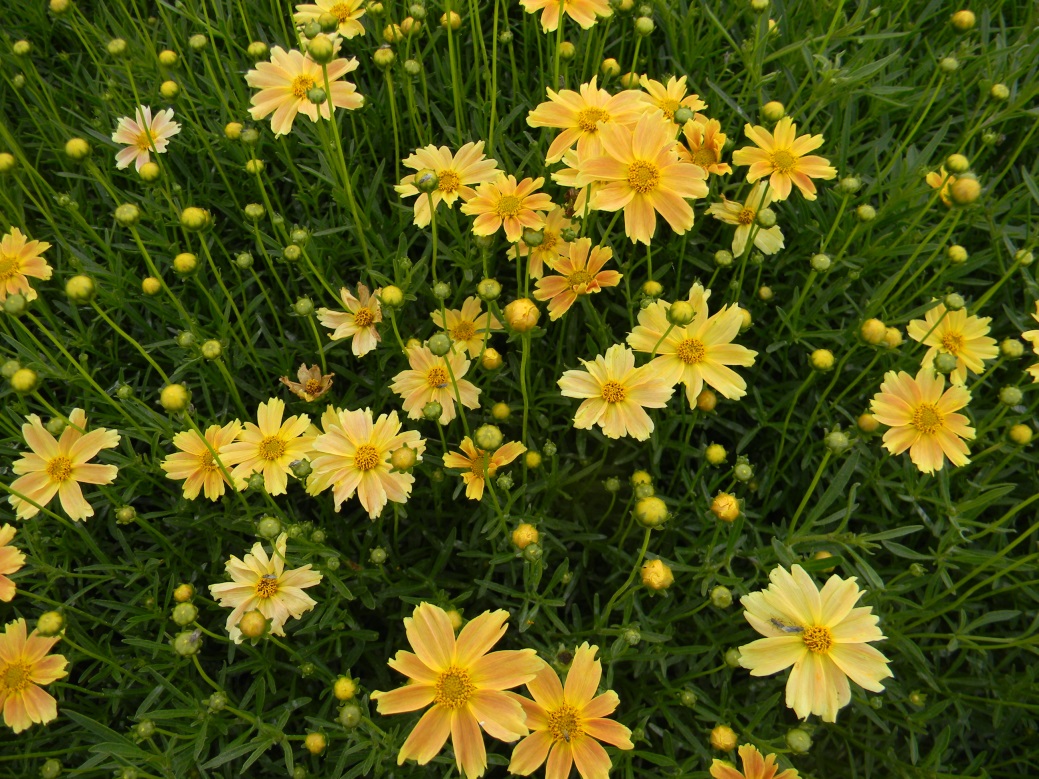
pixel 292 253
pixel 1024 257
pixel 532 237
pixel 257 50
pixel 150 172
pixel 999 92
pixel 945 363
pixel 1011 348
pixel 211 349
pixel 732 658
pixel 184 614
pixel 956 254
pixel 1010 396
pixel 439 344
pixel 683 115
pixel 52 768
pixel 488 437
pixel 644 491
pixel 268 527
pixel 644 26
pixel 567 51
pixel 125 392
pixel 127 214
pixel 965 191
pixel 612 485
pixel 742 471
pixel 350 716
pixel 949 64
pixel 117 47
pixel 799 741
pixel 426 181
pixel 7 163
pixel 174 397
pixel 412 67
pixel 24 381
pixel 391 297
pixel 185 263
pixel 954 302
pixel 723 258
pixel 652 289
pixel 254 167
pixel 865 213
pixel 651 511
pixel 317 95
pixel 187 643
pixel 384 56
pixel 849 185
pixel 957 163
pixel 50 623
pixel 10 368
pixel 16 304
pixel 687 698
pixel 198 41
pixel 766 218
pixel 820 263
pixel 124 515
pixel 721 597
pixel 432 411
pixel 773 111
pixel 194 218
pixel 250 136
pixel 441 290
pixel 243 260
pixel 680 313
pixel 216 702
pixel 488 290
pixel 303 307
pixel 836 442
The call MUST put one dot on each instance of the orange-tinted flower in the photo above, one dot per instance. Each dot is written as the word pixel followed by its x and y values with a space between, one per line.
pixel 670 97
pixel 705 141
pixel 581 11
pixel 552 245
pixel 478 465
pixel 24 667
pixel 781 157
pixel 312 383
pixel 11 561
pixel 580 272
pixel 942 181
pixel 346 12
pixel 20 259
pixel 358 322
pixel 430 380
pixel 270 446
pixel 455 175
pixel 146 135
pixel 469 327
pixel 195 462
pixel 768 239
pixel 508 203
pixel 755 766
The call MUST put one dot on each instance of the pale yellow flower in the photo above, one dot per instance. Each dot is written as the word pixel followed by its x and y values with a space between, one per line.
pixel 24 667
pixel 705 141
pixel 963 336
pixel 430 380
pixel 509 204
pixel 580 272
pixel 583 12
pixel 357 323
pixel 478 465
pixel 1032 336
pixel 781 157
pixel 145 135
pixel 768 239
pixel 196 465
pixel 551 248
pixel 11 561
pixel 456 173
pixel 468 327
pixel 755 766
pixel 312 382
pixel 347 12
pixel 270 446
pixel 20 259
pixel 670 97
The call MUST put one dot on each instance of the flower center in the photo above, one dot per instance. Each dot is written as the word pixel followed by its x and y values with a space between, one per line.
pixel 9 267
pixel 692 351
pixel 271 448
pixel 464 331
pixel 669 105
pixel 746 216
pixel 928 419
pixel 952 343
pixel 144 140
pixel 366 457
pixel 454 688
pixel 817 638
pixel 14 678
pixel 437 377
pixel 60 468
pixel 301 85
pixel 364 317
pixel 613 392
pixel 587 118
pixel 267 586
pixel 341 11
pixel 448 181
pixel 579 278
pixel 206 462
pixel 704 157
pixel 643 176
pixel 548 242
pixel 783 161
pixel 508 206
pixel 563 723
pixel 312 387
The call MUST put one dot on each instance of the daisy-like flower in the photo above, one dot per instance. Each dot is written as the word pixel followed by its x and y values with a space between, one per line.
pixel 58 467
pixel 353 456
pixel 963 336
pixel 671 96
pixel 705 141
pixel 261 583
pixel 821 634
pixel 781 157
pixel 768 239
pixel 11 561
pixel 643 175
pixel 616 394
pixel 195 464
pixel 581 11
pixel 455 175
pixel 506 202
pixel 941 180
pixel 698 353
pixel 20 259
pixel 569 176
pixel 358 322
pixel 26 666
pixel 464 681
pixel 269 447
pixel 552 245
pixel 348 12
pixel 145 135
pixel 578 115
pixel 923 419
pixel 568 722
pixel 1032 336
pixel 468 327
pixel 312 383
pixel 755 766
pixel 478 465
pixel 580 272
pixel 430 380
pixel 285 81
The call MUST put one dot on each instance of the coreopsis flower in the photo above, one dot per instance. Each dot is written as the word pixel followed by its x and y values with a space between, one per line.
pixel 580 273
pixel 581 11
pixel 478 465
pixel 464 681
pixel 578 114
pixel 455 175
pixel 698 353
pixel 20 259
pixel 11 561
pixel 768 239
pixel 195 462
pixel 670 97
pixel 430 380
pixel 567 722
pixel 705 141
pixel 569 176
pixel 145 135
pixel 312 382
pixel 353 456
pixel 643 174
pixel 923 419
pixel 781 157
pixel 348 12
pixel 509 204
pixel 358 322
pixel 552 245
pixel 616 394
pixel 25 667
pixel 58 467
pixel 468 327
pixel 963 336
pixel 285 83
pixel 1032 336
pixel 821 634
pixel 755 766
pixel 942 181
pixel 261 583
pixel 270 446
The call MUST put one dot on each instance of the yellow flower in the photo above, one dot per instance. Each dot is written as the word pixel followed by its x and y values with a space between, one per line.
pixel 643 174
pixel 579 114
pixel 353 456
pixel 358 322
pixel 464 681
pixel 20 259
pixel 781 158
pixel 755 766
pixel 1032 336
pixel 568 722
pixel 698 353
pixel 478 465
pixel 581 11
pixel 580 272
pixel 923 419
pixel 455 173
pixel 261 583
pixel 616 394
pixel 11 561
pixel 942 181
pixel 670 97
pixel 348 12
pixel 468 327
pixel 195 462
pixel 569 176
pixel 430 380
pixel 768 240
pixel 552 245
pixel 270 446
pixel 285 82
pixel 507 203
pixel 956 333
pixel 24 667
pixel 146 135
pixel 60 466
pixel 706 141
pixel 312 383
pixel 821 634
